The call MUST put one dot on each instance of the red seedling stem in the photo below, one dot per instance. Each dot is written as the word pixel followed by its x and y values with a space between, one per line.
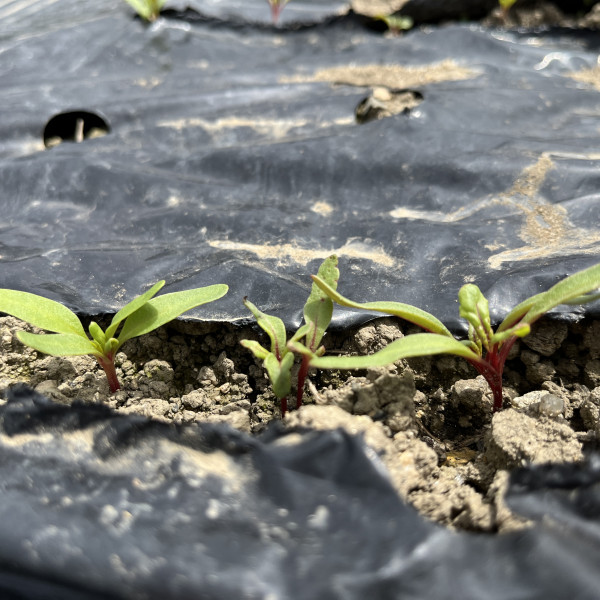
pixel 275 12
pixel 492 368
pixel 494 378
pixel 107 363
pixel 302 373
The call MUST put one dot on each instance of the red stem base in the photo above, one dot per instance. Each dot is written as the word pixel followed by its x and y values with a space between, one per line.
pixel 111 374
pixel 302 373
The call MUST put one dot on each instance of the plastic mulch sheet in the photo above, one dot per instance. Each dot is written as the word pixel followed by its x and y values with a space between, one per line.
pixel 211 147
pixel 112 506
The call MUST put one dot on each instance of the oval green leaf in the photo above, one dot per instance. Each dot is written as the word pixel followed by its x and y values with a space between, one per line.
pixel 97 333
pixel 280 374
pixel 58 344
pixel 257 349
pixel 318 309
pixel 418 344
pixel 518 312
pixel 40 312
pixel 398 309
pixel 131 307
pixel 519 330
pixel 162 309
pixel 564 291
pixel 274 328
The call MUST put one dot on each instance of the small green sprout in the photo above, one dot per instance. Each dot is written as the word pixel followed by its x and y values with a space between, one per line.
pixel 276 7
pixel 396 23
pixel 279 359
pixel 147 9
pixel 142 315
pixel 485 349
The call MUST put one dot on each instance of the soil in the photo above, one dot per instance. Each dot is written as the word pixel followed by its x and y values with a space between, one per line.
pixel 528 14
pixel 429 419
pixel 544 14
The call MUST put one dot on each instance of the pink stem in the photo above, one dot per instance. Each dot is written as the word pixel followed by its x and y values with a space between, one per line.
pixel 302 373
pixel 494 380
pixel 275 11
pixel 510 342
pixel 493 375
pixel 107 363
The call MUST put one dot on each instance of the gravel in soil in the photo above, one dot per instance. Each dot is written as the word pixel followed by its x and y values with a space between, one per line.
pixel 428 420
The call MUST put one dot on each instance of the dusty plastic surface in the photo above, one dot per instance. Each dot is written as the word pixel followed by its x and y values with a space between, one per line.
pixel 234 155
pixel 567 494
pixel 296 14
pixel 98 505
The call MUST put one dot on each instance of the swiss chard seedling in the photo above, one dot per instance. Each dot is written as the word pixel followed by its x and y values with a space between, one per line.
pixel 147 9
pixel 279 359
pixel 142 315
pixel 396 23
pixel 485 349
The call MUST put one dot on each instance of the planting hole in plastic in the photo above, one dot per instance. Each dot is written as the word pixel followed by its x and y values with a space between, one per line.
pixel 383 102
pixel 74 126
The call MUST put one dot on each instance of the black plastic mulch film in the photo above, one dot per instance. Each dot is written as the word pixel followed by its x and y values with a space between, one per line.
pixel 218 149
pixel 97 505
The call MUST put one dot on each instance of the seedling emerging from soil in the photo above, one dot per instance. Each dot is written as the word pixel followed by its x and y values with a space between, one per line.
pixel 279 360
pixel 485 349
pixel 147 9
pixel 276 8
pixel 396 23
pixel 142 315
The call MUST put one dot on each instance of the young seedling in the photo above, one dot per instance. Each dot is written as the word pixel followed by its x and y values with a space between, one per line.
pixel 276 8
pixel 279 359
pixel 506 4
pixel 396 23
pixel 485 349
pixel 147 9
pixel 142 315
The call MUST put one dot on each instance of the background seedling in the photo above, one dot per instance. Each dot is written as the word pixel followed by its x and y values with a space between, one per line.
pixel 396 23
pixel 147 9
pixel 278 361
pixel 485 349
pixel 142 315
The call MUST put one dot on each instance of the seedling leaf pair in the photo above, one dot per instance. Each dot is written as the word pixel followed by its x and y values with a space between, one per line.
pixel 278 361
pixel 398 309
pixel 485 349
pixel 318 309
pixel 142 315
pixel 396 23
pixel 40 312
